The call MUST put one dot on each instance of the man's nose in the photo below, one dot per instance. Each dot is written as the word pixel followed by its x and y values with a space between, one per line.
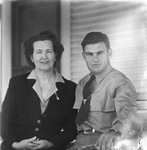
pixel 95 56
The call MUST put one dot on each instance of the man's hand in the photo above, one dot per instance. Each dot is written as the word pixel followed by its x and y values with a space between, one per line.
pixel 108 140
pixel 25 144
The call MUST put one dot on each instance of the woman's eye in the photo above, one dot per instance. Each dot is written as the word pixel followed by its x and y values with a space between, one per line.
pixel 38 52
pixel 50 51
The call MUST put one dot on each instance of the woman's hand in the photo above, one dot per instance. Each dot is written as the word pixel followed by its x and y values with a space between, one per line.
pixel 25 144
pixel 42 144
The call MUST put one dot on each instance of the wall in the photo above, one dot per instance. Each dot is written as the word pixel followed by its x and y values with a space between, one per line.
pixel 125 23
pixel 29 18
pixel 20 20
pixel 6 47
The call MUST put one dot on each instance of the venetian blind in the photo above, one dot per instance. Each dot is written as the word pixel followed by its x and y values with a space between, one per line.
pixel 125 23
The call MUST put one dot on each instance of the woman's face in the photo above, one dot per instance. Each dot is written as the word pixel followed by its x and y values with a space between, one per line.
pixel 43 55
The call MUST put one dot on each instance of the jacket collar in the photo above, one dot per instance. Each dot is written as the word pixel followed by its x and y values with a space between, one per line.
pixel 58 77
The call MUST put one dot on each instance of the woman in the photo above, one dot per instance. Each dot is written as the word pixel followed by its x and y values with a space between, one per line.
pixel 37 111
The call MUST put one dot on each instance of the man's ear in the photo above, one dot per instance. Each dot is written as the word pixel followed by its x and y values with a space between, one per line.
pixel 83 55
pixel 110 52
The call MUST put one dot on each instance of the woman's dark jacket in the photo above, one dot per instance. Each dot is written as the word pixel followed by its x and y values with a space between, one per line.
pixel 21 116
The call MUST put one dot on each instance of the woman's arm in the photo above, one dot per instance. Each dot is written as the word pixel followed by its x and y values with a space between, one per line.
pixel 8 115
pixel 68 134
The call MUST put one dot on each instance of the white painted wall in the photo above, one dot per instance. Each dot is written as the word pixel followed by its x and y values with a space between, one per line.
pixel 6 46
pixel 65 38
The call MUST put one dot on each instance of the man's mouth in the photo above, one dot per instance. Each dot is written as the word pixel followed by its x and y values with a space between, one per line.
pixel 96 65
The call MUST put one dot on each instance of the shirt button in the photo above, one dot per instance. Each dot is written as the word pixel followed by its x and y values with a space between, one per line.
pixel 38 121
pixel 44 115
pixel 37 129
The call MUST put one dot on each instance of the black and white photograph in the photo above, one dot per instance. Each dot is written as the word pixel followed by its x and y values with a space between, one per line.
pixel 73 75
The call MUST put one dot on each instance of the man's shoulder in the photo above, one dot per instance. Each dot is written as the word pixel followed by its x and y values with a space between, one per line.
pixel 84 79
pixel 116 74
pixel 119 78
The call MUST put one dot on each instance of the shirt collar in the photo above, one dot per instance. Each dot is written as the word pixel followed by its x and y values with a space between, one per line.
pixel 100 77
pixel 58 77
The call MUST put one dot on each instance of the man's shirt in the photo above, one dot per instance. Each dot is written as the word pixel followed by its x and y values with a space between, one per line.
pixel 112 103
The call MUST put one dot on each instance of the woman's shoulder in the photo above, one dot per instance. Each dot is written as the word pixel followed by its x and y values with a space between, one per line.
pixel 69 82
pixel 18 81
pixel 20 77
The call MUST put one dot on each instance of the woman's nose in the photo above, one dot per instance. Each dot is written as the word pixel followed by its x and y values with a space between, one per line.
pixel 44 55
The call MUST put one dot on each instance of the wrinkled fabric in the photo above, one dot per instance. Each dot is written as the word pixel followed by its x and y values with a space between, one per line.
pixel 112 103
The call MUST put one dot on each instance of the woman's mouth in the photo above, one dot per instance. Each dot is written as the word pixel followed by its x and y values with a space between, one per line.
pixel 45 62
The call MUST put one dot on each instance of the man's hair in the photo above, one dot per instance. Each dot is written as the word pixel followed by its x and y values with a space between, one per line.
pixel 95 37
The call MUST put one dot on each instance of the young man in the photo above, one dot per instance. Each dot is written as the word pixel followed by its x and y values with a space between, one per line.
pixel 112 103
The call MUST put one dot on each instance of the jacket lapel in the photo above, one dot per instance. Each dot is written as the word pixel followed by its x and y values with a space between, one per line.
pixel 30 83
pixel 58 96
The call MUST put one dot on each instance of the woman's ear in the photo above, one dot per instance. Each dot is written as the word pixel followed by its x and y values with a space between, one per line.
pixel 31 58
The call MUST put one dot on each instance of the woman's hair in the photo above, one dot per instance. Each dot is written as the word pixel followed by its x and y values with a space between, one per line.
pixel 44 35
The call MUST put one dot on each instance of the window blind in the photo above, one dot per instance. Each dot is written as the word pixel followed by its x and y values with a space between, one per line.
pixel 125 23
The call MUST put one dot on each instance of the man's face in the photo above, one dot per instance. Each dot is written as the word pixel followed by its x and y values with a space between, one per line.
pixel 96 57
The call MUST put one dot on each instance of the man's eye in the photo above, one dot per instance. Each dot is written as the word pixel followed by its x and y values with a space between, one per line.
pixel 99 53
pixel 89 54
